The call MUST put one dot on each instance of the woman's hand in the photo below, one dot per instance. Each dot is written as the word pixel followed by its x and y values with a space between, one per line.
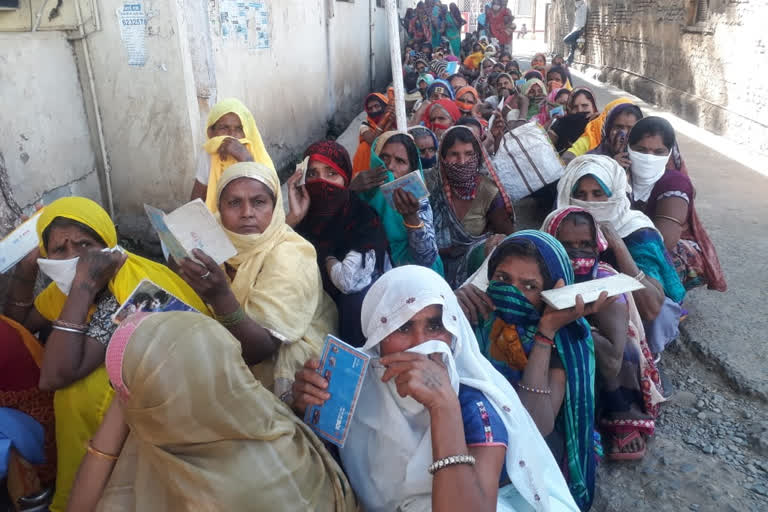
pixel 369 179
pixel 425 379
pixel 553 320
pixel 207 279
pixel 298 199
pixel 623 159
pixel 612 236
pixel 475 303
pixel 234 148
pixel 309 387
pixel 96 267
pixel 407 205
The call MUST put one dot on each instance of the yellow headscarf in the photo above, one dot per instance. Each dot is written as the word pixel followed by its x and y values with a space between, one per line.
pixel 594 128
pixel 252 141
pixel 205 435
pixel 278 284
pixel 80 407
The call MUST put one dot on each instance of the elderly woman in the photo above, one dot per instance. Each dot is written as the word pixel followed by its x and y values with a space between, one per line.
pixel 536 92
pixel 407 221
pixel 469 206
pixel 232 137
pixel 599 185
pixel 380 119
pixel 630 386
pixel 351 244
pixel 431 398
pixel 438 116
pixel 662 190
pixel 193 429
pixel 593 133
pixel 427 142
pixel 440 89
pixel 91 277
pixel 548 355
pixel 270 295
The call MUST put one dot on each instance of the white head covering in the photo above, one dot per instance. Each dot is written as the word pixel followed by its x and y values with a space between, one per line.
pixel 616 209
pixel 646 171
pixel 389 447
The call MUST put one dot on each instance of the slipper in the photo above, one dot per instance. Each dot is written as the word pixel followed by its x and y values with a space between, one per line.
pixel 623 440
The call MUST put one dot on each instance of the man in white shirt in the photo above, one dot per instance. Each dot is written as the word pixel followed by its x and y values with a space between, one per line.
pixel 579 22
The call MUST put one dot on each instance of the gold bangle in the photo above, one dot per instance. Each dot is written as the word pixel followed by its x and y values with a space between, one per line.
pixel 232 319
pixel 99 453
pixel 417 226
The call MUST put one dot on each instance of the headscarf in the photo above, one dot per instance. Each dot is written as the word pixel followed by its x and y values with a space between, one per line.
pixel 533 106
pixel 461 92
pixel 422 131
pixel 437 67
pixel 204 433
pixel 441 84
pixel 563 74
pixel 278 284
pixel 473 60
pixel 338 221
pixel 555 219
pixel 534 73
pixel 449 106
pixel 575 347
pixel 363 153
pixel 638 231
pixel 389 447
pixel 252 141
pixel 606 144
pixel 80 407
pixel 543 117
pixel 594 129
pixel 581 90
pixel 392 221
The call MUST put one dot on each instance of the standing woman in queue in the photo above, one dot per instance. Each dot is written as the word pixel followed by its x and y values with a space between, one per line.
pixel 270 294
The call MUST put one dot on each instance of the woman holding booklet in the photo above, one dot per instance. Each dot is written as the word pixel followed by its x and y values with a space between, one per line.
pixel 436 427
pixel 192 429
pixel 270 294
pixel 469 205
pixel 91 277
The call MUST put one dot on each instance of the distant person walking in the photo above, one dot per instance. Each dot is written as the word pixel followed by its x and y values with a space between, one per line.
pixel 522 32
pixel 579 22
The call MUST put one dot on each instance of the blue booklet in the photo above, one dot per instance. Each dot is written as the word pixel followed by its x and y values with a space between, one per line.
pixel 344 367
pixel 411 182
pixel 148 297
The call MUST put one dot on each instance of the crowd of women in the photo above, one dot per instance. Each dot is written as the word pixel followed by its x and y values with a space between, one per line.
pixel 479 395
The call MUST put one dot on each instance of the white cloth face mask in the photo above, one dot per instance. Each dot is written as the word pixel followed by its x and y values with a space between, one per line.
pixel 61 272
pixel 646 170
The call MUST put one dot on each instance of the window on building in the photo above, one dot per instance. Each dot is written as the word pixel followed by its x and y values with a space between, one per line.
pixel 9 4
pixel 524 7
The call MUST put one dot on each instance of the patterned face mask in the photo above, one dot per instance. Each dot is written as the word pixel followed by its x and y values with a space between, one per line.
pixel 463 177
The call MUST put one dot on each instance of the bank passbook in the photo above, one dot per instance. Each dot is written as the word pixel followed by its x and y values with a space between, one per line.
pixel 344 368
pixel 565 297
pixel 411 182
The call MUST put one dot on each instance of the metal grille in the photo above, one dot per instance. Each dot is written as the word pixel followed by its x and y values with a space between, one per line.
pixel 702 11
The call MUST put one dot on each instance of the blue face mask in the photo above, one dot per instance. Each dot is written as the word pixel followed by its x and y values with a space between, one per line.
pixel 427 163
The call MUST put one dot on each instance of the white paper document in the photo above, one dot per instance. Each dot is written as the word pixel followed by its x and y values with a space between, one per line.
pixel 20 242
pixel 565 297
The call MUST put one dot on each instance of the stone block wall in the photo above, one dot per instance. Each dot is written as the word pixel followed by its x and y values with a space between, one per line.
pixel 710 73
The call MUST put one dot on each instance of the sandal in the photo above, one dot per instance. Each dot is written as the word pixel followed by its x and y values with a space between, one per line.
pixel 621 441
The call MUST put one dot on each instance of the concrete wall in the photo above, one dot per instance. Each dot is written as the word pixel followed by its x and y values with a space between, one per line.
pixel 709 73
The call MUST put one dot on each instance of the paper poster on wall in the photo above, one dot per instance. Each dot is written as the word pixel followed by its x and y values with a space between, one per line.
pixel 245 23
pixel 133 23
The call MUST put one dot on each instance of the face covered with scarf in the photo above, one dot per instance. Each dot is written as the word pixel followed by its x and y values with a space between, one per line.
pixel 460 154
pixel 581 237
pixel 441 115
pixel 426 141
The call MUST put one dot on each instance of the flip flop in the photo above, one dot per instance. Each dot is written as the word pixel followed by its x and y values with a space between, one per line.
pixel 623 440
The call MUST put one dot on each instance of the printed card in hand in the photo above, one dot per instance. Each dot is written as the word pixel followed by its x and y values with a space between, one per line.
pixel 19 242
pixel 344 368
pixel 188 227
pixel 565 297
pixel 303 166
pixel 147 297
pixel 411 182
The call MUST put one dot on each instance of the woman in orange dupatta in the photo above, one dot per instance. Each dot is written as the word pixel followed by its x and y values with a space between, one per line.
pixel 380 120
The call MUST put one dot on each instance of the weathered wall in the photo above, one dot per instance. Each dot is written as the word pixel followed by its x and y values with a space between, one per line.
pixel 710 73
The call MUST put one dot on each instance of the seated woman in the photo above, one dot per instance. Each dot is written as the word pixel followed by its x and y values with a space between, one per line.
pixel 20 360
pixel 548 355
pixel 427 142
pixel 440 89
pixel 538 60
pixel 592 133
pixel 438 116
pixel 89 285
pixel 422 83
pixel 629 383
pixel 466 99
pixel 232 137
pixel 663 191
pixel 580 110
pixel 599 185
pixel 407 221
pixel 193 429
pixel 270 295
pixel 486 68
pixel 557 78
pixel 615 133
pixel 536 92
pixel 351 244
pixel 380 119
pixel 457 81
pixel 468 205
pixel 556 98
pixel 507 98
pixel 431 396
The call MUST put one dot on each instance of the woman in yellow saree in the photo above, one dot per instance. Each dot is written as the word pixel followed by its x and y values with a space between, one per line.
pixel 90 284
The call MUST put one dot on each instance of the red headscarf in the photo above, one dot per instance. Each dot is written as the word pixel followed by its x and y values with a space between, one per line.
pixel 449 106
